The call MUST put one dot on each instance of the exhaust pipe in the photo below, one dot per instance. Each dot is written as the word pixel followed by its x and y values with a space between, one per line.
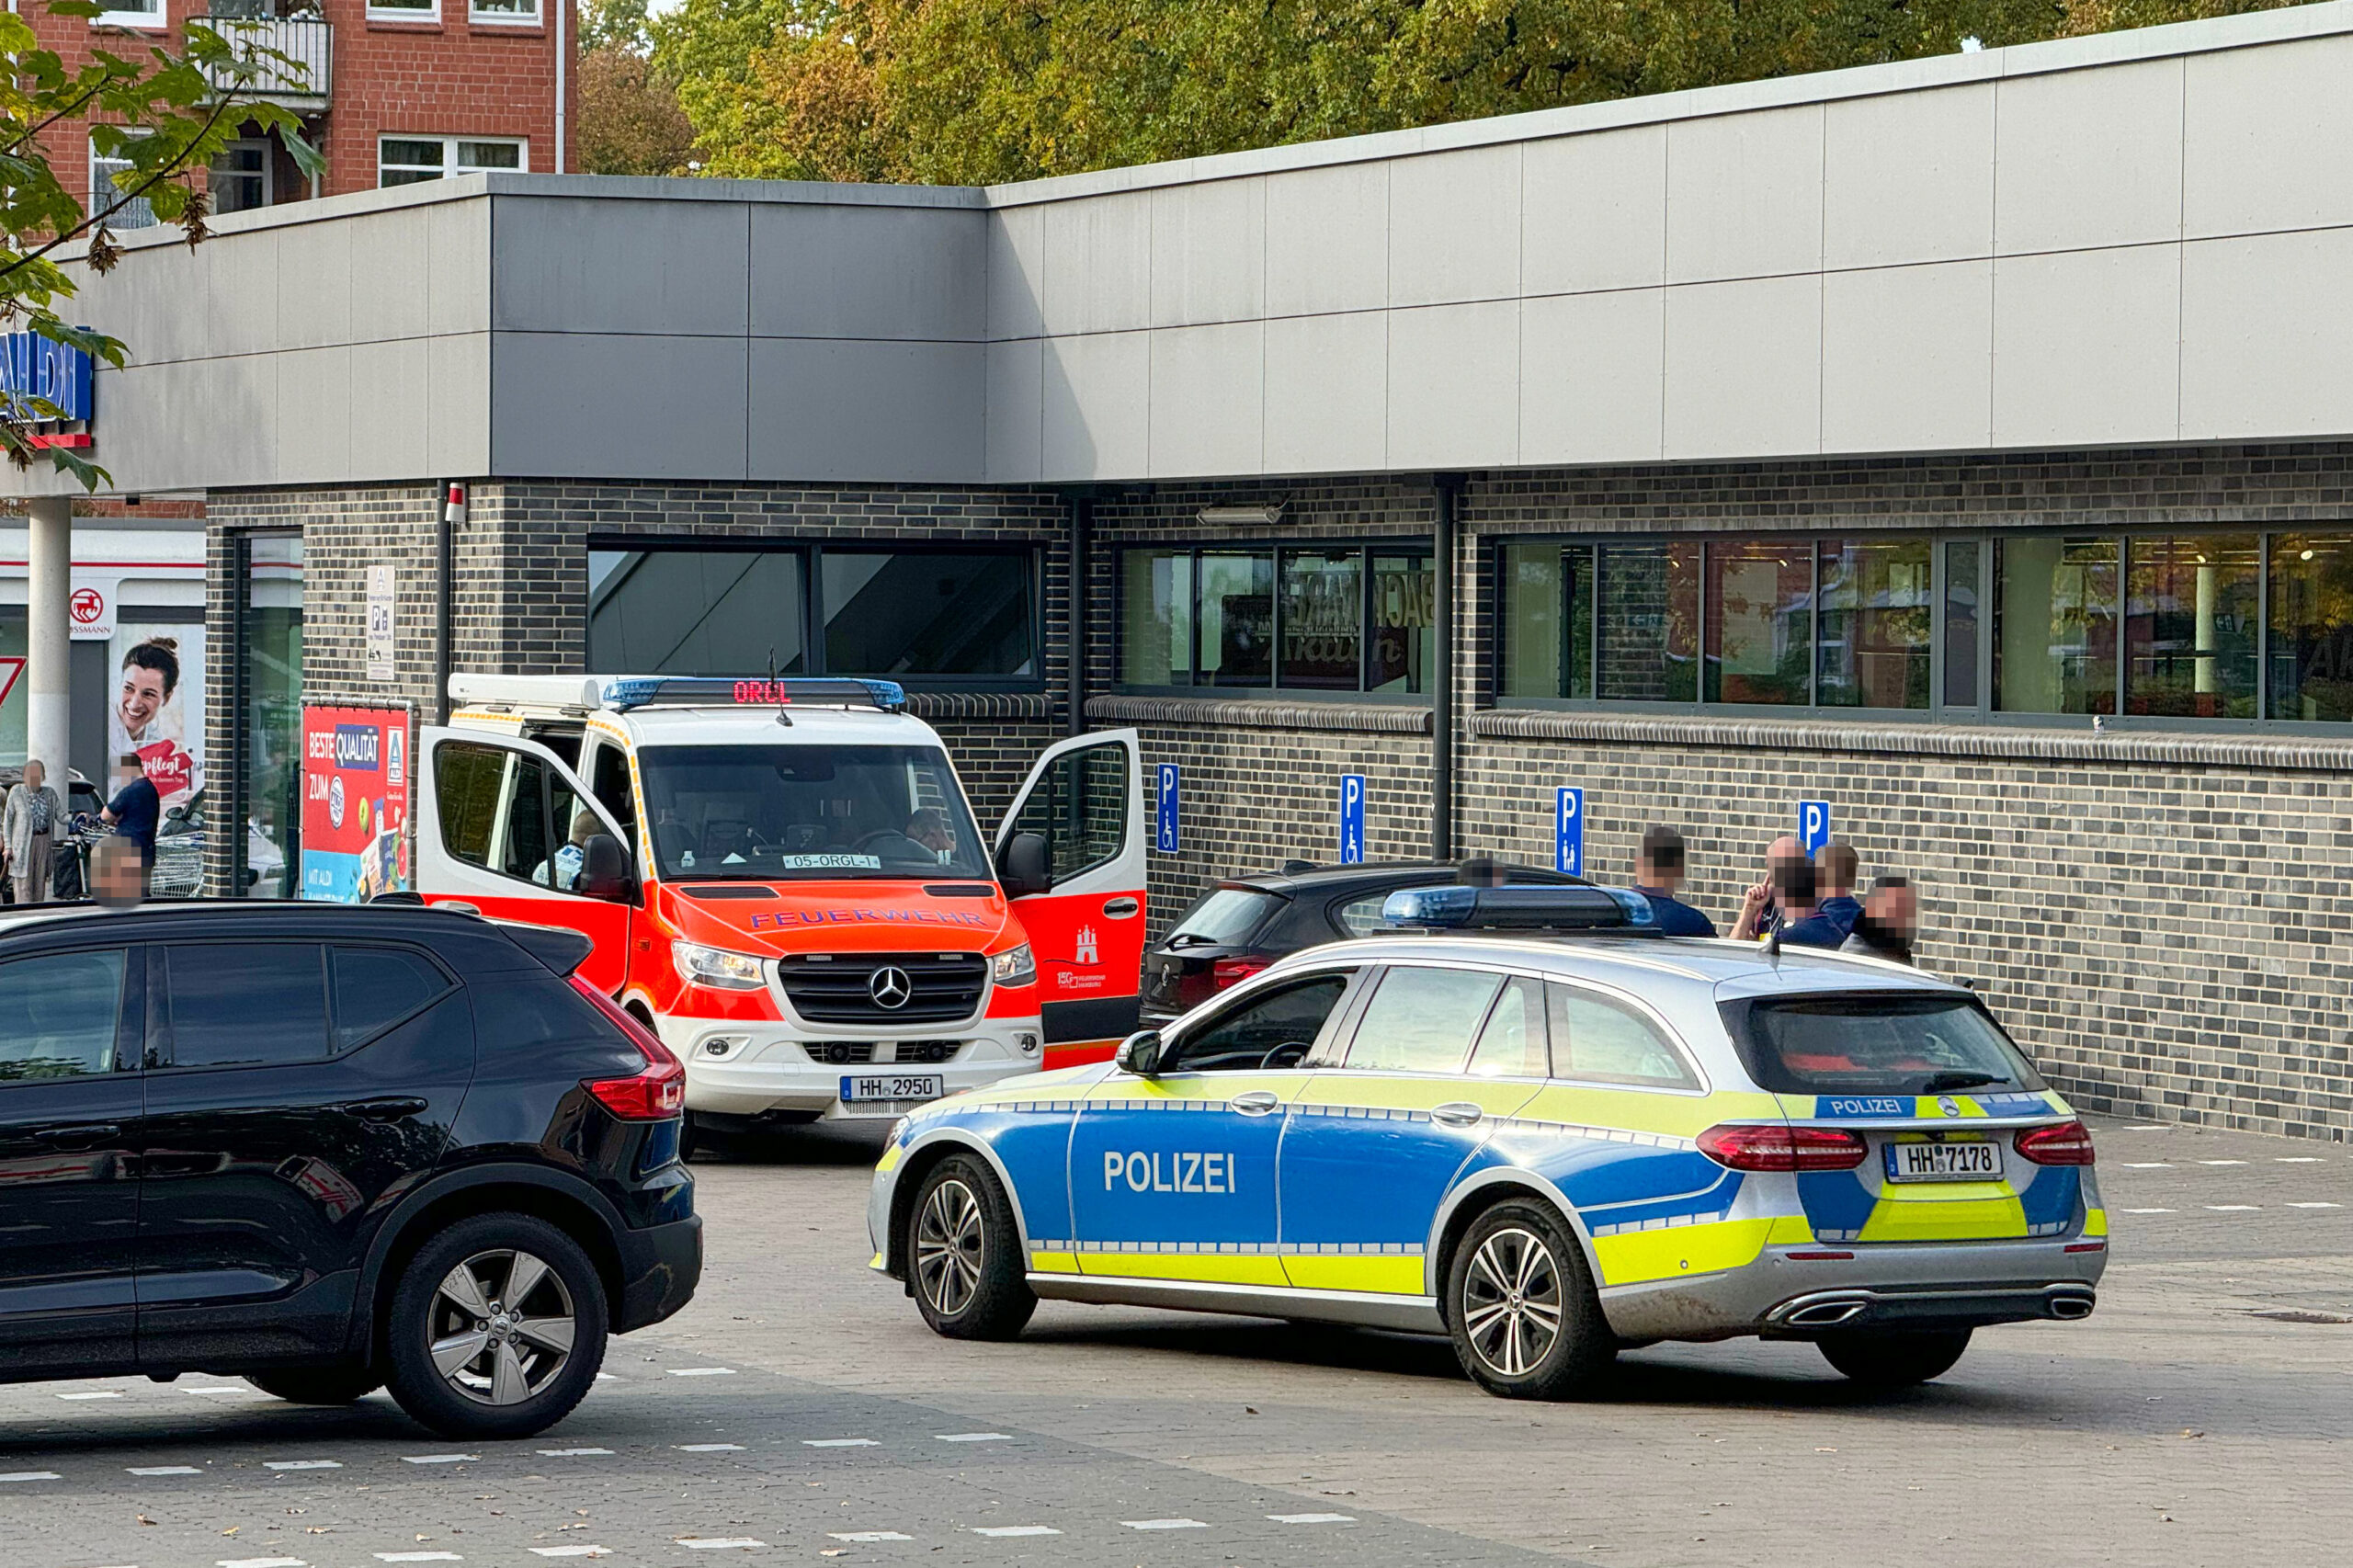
pixel 1826 1314
pixel 2070 1308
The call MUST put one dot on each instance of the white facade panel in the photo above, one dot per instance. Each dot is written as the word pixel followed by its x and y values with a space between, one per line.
pixel 1743 195
pixel 1327 240
pixel 1327 392
pixel 1098 264
pixel 1016 272
pixel 2267 336
pixel 1454 227
pixel 1908 177
pixel 1593 212
pixel 1744 368
pixel 316 395
pixel 314 293
pixel 1454 385
pixel 391 407
pixel 241 299
pixel 456 430
pixel 1907 358
pixel 1096 394
pixel 2086 347
pixel 391 276
pixel 1593 377
pixel 2089 158
pixel 2268 138
pixel 154 300
pixel 1206 399
pixel 1209 253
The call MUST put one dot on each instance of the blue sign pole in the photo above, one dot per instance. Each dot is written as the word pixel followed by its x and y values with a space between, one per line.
pixel 1351 819
pixel 1165 832
pixel 1813 825
pixel 1568 831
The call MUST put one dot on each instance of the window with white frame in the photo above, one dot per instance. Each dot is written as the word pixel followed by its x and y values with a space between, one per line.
pixel 106 199
pixel 525 11
pixel 405 160
pixel 404 10
pixel 129 14
pixel 241 176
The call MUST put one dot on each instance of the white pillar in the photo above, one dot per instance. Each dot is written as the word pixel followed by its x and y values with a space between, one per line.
pixel 49 637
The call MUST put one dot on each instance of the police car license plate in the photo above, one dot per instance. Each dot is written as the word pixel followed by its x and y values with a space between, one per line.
pixel 1975 1160
pixel 914 1086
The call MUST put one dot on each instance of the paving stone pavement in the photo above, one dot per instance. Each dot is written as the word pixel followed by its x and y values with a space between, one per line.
pixel 2203 1416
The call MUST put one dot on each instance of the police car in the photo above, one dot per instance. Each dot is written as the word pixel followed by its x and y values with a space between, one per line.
pixel 1548 1148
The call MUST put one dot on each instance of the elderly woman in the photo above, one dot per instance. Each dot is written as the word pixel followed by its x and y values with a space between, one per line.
pixel 32 820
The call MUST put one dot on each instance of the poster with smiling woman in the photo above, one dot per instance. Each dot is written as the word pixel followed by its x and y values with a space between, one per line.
pixel 157 706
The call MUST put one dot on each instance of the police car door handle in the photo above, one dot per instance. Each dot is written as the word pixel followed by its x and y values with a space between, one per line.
pixel 1255 1102
pixel 1457 1113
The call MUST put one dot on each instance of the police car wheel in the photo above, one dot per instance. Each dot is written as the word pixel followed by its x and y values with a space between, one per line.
pixel 963 1253
pixel 1894 1360
pixel 1520 1303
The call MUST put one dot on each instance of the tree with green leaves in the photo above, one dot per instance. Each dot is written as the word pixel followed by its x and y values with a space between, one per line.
pixel 162 116
pixel 629 119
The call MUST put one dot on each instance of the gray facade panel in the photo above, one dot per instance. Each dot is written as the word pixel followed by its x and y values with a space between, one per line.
pixel 1206 390
pixel 1327 402
pixel 1744 367
pixel 676 269
pixel 1099 264
pixel 1907 358
pixel 820 271
pixel 316 302
pixel 1593 377
pixel 616 406
pixel 821 409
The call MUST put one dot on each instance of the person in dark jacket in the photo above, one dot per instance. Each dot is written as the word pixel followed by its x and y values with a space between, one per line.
pixel 1891 918
pixel 1658 873
pixel 136 811
pixel 1834 871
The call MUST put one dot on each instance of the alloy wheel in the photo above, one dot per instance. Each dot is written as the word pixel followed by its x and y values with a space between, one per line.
pixel 501 1326
pixel 1511 1301
pixel 950 1235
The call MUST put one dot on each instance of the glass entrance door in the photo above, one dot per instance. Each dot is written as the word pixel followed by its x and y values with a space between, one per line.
pixel 269 843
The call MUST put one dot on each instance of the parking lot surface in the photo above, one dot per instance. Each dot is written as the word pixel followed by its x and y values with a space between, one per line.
pixel 800 1410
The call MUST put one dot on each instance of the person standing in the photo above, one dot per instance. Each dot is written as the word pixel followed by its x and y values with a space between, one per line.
pixel 1761 910
pixel 136 811
pixel 1658 873
pixel 31 820
pixel 1890 922
pixel 1835 865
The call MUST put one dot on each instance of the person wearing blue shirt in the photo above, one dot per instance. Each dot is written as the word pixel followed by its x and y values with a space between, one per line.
pixel 135 811
pixel 1802 922
pixel 1833 867
pixel 1658 870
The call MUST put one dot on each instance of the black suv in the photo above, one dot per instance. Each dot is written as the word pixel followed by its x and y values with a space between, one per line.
pixel 329 1149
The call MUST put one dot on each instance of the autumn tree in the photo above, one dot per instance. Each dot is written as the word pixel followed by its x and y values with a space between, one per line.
pixel 629 119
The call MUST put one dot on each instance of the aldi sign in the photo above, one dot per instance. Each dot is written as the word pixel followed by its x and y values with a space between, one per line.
pixel 32 368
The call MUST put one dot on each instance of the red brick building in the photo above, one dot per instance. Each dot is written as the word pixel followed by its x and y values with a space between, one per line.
pixel 394 91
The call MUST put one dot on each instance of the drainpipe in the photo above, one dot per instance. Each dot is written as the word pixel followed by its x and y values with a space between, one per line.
pixel 453 517
pixel 563 9
pixel 1447 489
pixel 1082 529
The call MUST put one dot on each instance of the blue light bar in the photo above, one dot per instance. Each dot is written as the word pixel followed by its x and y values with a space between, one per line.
pixel 720 691
pixel 1558 907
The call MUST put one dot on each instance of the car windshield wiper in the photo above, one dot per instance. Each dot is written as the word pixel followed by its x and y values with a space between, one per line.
pixel 1940 1083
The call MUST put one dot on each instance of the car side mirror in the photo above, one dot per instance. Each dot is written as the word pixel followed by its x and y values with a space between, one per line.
pixel 604 869
pixel 1139 1054
pixel 1026 867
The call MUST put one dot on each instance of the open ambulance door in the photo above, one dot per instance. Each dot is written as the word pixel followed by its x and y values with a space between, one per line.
pixel 494 826
pixel 1085 797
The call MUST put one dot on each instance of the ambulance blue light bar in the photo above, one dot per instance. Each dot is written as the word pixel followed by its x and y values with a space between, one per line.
pixel 719 691
pixel 1560 907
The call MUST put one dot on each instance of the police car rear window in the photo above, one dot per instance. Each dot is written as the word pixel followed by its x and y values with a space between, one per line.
pixel 1875 1042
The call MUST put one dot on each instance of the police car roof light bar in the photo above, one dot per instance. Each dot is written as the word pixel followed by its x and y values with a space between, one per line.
pixel 722 691
pixel 1563 907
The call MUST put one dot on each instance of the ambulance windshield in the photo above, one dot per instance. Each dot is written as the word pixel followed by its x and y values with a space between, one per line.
pixel 732 812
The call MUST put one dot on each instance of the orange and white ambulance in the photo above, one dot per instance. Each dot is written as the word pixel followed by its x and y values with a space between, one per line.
pixel 783 879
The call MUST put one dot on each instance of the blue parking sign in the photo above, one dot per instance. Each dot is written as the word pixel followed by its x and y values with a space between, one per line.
pixel 1813 825
pixel 1351 819
pixel 1568 831
pixel 1165 831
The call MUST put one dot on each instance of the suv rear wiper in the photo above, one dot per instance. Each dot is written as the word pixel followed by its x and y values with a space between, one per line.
pixel 1189 939
pixel 1940 1083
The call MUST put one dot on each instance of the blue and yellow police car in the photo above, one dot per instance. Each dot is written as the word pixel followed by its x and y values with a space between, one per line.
pixel 1524 1120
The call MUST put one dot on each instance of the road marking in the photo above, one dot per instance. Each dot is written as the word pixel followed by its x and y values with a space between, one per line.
pixel 2315 1206
pixel 570 1552
pixel 28 1475
pixel 1164 1523
pixel 702 1371
pixel 261 1562
pixel 232 1388
pixel 1312 1518
pixel 2295 1159
pixel 719 1543
pixel 301 1464
pixel 2152 1165
pixel 602 1378
pixel 2236 1208
pixel 2222 1162
pixel 571 1453
pixel 976 1436
pixel 837 1442
pixel 163 1469
pixel 994 1530
pixel 2151 1127
pixel 2148 1210
pixel 108 1393
pixel 862 1538
pixel 708 1448
pixel 440 1459
pixel 418 1556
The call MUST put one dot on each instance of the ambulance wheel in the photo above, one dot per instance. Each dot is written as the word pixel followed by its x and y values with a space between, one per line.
pixel 1894 1360
pixel 963 1253
pixel 1521 1304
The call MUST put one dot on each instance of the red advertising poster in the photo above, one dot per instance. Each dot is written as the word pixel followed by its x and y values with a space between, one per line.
pixel 355 802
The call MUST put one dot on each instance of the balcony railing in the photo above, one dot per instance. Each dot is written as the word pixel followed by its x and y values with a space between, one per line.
pixel 301 79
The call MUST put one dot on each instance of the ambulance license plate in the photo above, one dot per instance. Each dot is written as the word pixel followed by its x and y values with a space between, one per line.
pixel 1977 1160
pixel 914 1086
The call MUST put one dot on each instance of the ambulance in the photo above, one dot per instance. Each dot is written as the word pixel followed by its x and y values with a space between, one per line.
pixel 784 880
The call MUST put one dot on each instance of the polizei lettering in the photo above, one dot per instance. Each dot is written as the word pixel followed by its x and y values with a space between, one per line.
pixel 1174 1171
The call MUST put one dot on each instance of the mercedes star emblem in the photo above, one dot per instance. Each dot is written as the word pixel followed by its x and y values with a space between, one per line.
pixel 890 987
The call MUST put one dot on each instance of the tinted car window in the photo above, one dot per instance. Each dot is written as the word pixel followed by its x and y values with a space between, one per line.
pixel 1512 1044
pixel 375 986
pixel 1224 917
pixel 1361 917
pixel 1879 1044
pixel 1241 1040
pixel 1421 1021
pixel 58 1014
pixel 524 1011
pixel 1598 1042
pixel 246 1004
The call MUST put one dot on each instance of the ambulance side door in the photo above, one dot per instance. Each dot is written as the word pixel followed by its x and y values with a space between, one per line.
pixel 495 819
pixel 1085 796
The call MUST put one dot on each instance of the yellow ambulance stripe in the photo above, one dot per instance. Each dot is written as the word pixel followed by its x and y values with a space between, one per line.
pixel 1633 1257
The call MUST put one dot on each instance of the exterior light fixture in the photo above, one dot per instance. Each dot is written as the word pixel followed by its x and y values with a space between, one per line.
pixel 1266 516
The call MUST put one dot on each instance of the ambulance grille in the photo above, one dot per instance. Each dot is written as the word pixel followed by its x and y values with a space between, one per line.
pixel 840 989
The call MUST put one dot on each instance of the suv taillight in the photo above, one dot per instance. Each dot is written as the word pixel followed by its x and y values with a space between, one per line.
pixel 1233 972
pixel 656 1094
pixel 2068 1143
pixel 1745 1147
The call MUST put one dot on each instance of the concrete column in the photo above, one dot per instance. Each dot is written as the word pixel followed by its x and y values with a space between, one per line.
pixel 49 637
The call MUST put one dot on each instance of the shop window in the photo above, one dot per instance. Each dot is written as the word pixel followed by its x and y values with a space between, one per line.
pixel 1156 617
pixel 269 760
pixel 1237 616
pixel 1760 621
pixel 1405 624
pixel 1546 606
pixel 927 613
pixel 696 612
pixel 2193 604
pixel 2054 630
pixel 1878 614
pixel 1647 623
pixel 1321 619
pixel 2311 628
pixel 1963 684
pixel 1323 624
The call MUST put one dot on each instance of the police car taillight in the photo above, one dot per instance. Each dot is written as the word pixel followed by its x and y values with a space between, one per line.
pixel 1742 1147
pixel 656 1094
pixel 2067 1143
